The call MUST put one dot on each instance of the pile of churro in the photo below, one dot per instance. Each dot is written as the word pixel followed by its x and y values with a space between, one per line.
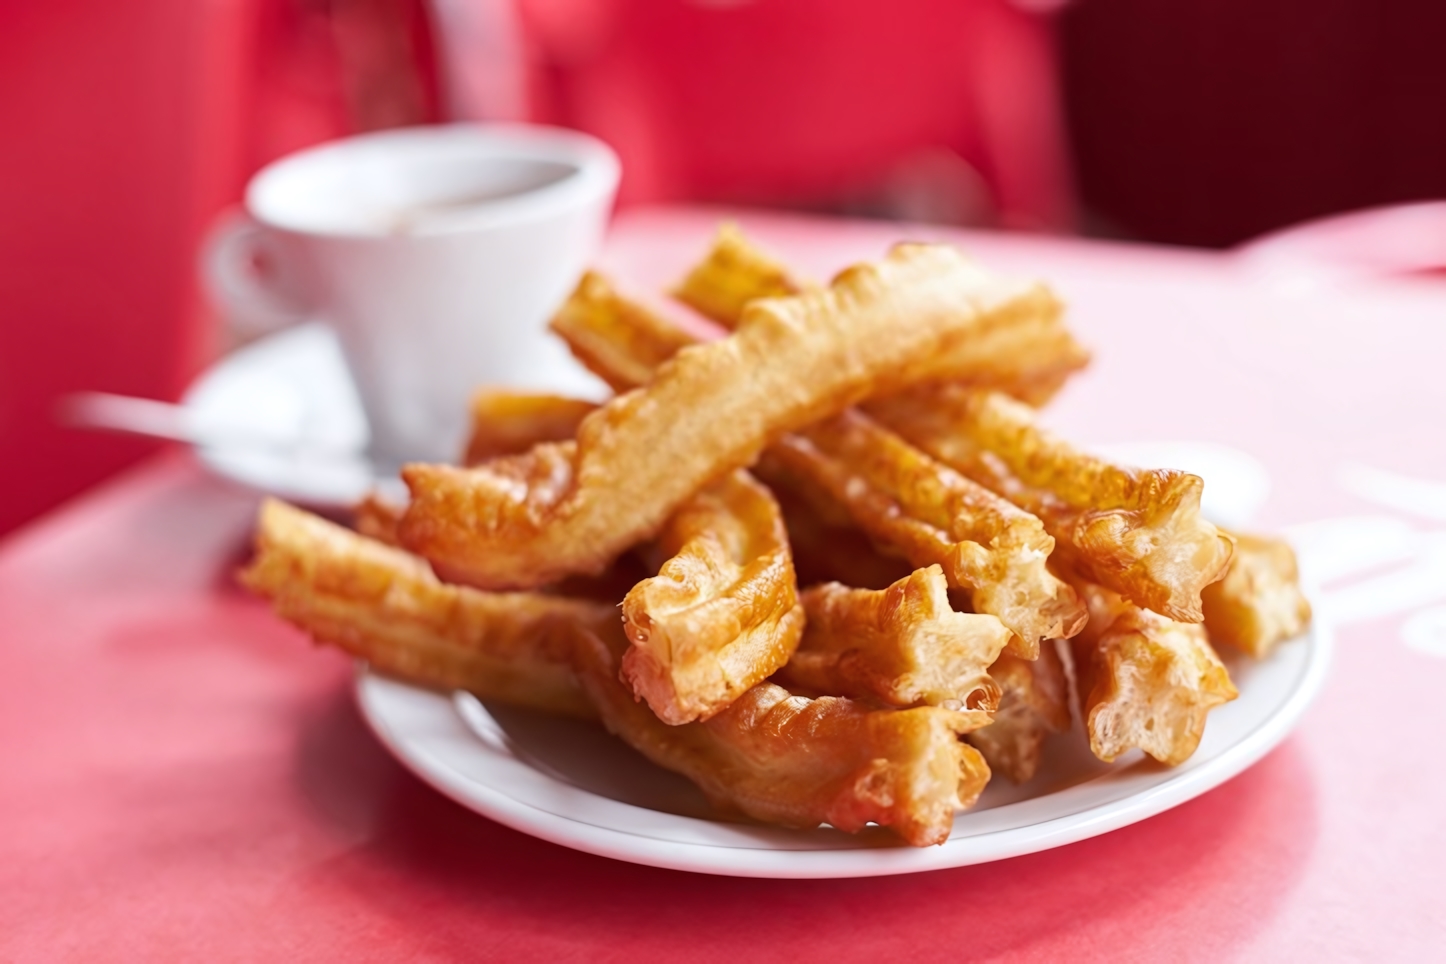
pixel 822 560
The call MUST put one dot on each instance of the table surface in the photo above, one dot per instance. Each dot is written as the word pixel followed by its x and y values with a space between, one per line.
pixel 184 775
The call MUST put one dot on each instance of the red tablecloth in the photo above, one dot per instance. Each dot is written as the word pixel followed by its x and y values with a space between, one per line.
pixel 183 776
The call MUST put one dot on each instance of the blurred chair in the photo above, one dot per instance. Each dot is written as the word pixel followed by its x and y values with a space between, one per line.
pixel 943 110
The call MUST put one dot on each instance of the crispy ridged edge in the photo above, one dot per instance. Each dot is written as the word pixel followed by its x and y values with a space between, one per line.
pixel 929 514
pixel 384 605
pixel 508 422
pixel 1145 680
pixel 798 762
pixel 902 646
pixel 1028 353
pixel 1138 532
pixel 1259 603
pixel 571 509
pixel 733 273
pixel 1033 705
pixel 722 614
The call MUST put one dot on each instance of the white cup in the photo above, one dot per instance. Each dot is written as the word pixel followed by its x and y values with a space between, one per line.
pixel 437 255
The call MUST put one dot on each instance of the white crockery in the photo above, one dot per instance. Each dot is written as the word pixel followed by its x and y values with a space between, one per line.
pixel 435 253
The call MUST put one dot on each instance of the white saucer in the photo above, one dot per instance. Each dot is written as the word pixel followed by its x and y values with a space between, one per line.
pixel 294 386
pixel 291 385
pixel 573 784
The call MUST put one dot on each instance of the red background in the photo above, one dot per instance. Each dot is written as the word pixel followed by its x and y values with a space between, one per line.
pixel 128 126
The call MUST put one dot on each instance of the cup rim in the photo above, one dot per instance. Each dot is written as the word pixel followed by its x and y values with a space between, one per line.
pixel 595 174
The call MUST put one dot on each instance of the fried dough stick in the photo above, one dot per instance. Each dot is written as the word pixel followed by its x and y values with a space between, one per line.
pixel 1028 354
pixel 906 503
pixel 508 422
pixel 911 505
pixel 564 508
pixel 722 614
pixel 385 606
pixel 901 646
pixel 1259 603
pixel 619 340
pixel 733 273
pixel 376 518
pixel 798 762
pixel 1144 680
pixel 1138 532
pixel 504 422
pixel 1033 705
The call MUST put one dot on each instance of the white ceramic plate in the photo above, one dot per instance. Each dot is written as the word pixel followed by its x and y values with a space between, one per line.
pixel 293 388
pixel 572 784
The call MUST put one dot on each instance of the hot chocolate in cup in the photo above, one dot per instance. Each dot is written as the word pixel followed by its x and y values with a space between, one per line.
pixel 437 254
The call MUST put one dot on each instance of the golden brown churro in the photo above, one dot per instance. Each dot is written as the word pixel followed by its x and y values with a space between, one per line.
pixel 912 506
pixel 733 273
pixel 563 508
pixel 929 514
pixel 1033 705
pixel 384 605
pixel 507 422
pixel 616 338
pixel 1028 353
pixel 722 614
pixel 800 762
pixel 1145 680
pixel 900 646
pixel 1138 532
pixel 1258 603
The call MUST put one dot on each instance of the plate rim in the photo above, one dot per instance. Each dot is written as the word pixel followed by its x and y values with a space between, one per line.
pixel 820 863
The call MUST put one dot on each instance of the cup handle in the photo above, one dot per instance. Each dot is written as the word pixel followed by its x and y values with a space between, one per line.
pixel 250 277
